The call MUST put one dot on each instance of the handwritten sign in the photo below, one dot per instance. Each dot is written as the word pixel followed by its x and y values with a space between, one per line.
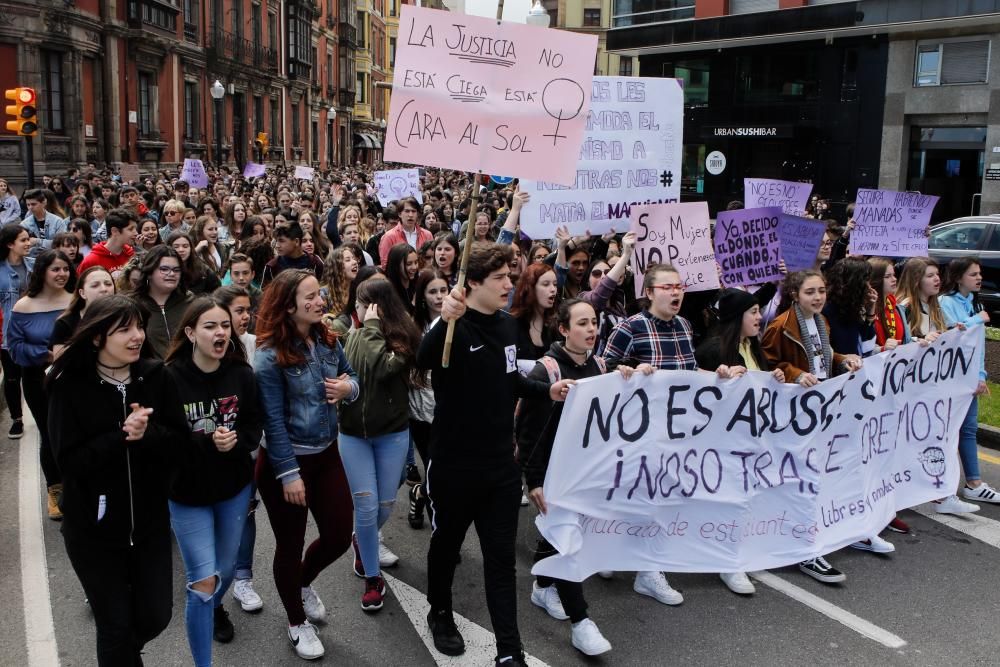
pixel 631 155
pixel 471 94
pixel 639 480
pixel 791 196
pixel 129 172
pixel 396 184
pixel 800 240
pixel 194 173
pixel 254 170
pixel 303 172
pixel 675 234
pixel 747 245
pixel 891 223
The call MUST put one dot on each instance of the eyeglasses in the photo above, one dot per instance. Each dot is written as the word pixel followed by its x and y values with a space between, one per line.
pixel 167 270
pixel 826 244
pixel 670 287
pixel 598 273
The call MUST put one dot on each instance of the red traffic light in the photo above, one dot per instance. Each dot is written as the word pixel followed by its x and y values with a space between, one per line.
pixel 25 95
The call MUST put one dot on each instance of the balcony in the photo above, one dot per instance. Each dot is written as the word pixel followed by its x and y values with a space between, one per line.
pixel 348 33
pixel 153 13
pixel 227 46
pixel 346 97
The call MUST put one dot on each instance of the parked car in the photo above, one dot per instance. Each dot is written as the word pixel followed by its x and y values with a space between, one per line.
pixel 977 236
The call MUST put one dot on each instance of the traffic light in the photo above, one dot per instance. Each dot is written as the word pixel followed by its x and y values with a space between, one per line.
pixel 23 111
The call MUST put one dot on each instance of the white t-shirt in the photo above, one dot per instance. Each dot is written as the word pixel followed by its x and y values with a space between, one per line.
pixel 411 238
pixel 818 361
pixel 250 345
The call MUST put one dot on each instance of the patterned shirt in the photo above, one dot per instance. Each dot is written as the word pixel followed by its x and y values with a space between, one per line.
pixel 646 339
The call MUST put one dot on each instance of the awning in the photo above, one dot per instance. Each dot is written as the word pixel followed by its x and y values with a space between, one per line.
pixel 376 143
pixel 362 140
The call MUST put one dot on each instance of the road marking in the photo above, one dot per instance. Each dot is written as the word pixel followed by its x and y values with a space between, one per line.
pixel 480 644
pixel 39 630
pixel 989 458
pixel 830 610
pixel 980 527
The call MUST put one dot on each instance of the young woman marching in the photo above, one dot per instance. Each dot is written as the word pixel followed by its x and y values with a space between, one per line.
pixel 302 374
pixel 401 267
pixel 162 291
pixel 374 431
pixel 797 343
pixel 534 309
pixel 93 283
pixel 112 450
pixel 15 267
pixel 210 482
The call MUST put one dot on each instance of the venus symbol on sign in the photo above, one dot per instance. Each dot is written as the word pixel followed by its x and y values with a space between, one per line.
pixel 562 99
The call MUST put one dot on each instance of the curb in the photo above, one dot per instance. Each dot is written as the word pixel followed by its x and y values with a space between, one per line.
pixel 989 436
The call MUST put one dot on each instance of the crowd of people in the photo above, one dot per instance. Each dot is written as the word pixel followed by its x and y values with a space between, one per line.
pixel 281 339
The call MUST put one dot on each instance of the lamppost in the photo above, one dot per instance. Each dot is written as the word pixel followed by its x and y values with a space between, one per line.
pixel 537 16
pixel 330 116
pixel 218 92
pixel 381 124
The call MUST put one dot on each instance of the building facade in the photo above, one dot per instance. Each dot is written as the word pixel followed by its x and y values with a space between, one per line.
pixel 863 93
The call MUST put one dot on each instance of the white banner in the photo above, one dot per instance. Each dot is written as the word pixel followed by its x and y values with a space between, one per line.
pixel 631 154
pixel 398 183
pixel 683 472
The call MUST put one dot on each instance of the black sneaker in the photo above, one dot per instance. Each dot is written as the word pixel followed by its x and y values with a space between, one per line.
pixel 16 429
pixel 820 570
pixel 447 638
pixel 223 631
pixel 510 661
pixel 416 514
pixel 412 474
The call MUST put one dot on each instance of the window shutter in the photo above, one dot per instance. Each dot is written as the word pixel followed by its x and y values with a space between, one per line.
pixel 965 62
pixel 748 6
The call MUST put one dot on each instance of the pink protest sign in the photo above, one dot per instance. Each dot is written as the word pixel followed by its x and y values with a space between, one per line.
pixel 675 234
pixel 893 224
pixel 502 98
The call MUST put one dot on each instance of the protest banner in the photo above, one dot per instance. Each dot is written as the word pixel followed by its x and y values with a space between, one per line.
pixel 194 174
pixel 891 223
pixel 480 95
pixel 791 196
pixel 129 172
pixel 676 234
pixel 398 183
pixel 800 239
pixel 631 155
pixel 254 170
pixel 303 172
pixel 747 245
pixel 684 472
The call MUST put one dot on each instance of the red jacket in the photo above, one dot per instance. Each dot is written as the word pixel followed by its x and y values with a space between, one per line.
pixel 397 235
pixel 101 256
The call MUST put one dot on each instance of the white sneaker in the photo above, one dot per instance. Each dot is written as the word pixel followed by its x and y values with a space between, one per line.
pixel 385 557
pixel 655 585
pixel 524 500
pixel 738 582
pixel 306 641
pixel 983 493
pixel 588 639
pixel 548 599
pixel 313 606
pixel 952 505
pixel 875 544
pixel 244 593
pixel 606 574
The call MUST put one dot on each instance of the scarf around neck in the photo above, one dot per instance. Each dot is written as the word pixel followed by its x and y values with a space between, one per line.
pixel 824 339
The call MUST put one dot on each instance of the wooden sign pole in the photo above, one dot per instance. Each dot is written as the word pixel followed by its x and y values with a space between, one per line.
pixel 466 251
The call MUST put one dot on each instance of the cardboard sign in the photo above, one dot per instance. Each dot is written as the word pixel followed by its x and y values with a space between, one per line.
pixel 676 234
pixel 473 94
pixel 631 155
pixel 129 172
pixel 800 239
pixel 791 196
pixel 254 170
pixel 747 246
pixel 304 173
pixel 398 183
pixel 893 224
pixel 194 173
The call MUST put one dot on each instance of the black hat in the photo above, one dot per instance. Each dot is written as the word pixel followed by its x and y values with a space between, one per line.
pixel 734 302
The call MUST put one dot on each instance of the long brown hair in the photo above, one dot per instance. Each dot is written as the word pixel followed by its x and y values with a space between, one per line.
pixel 908 289
pixel 879 267
pixel 275 328
pixel 525 297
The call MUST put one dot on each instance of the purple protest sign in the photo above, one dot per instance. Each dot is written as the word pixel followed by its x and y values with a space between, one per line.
pixel 791 196
pixel 194 173
pixel 747 246
pixel 254 170
pixel 800 239
pixel 892 224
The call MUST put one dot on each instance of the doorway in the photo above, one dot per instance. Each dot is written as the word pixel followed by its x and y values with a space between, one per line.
pixel 948 162
pixel 239 138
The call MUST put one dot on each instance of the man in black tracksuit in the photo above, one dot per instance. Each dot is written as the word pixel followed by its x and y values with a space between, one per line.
pixel 472 476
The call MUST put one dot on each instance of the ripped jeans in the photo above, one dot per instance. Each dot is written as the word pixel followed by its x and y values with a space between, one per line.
pixel 373 467
pixel 208 537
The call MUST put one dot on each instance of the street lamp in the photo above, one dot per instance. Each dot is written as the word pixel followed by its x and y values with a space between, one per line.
pixel 331 115
pixel 537 16
pixel 218 92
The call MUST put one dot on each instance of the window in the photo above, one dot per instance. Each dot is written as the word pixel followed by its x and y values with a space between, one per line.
pixel 258 114
pixel 592 18
pixel 963 236
pixel 236 18
pixel 625 66
pixel 636 12
pixel 190 110
pixel 191 10
pixel 146 93
pixel 53 91
pixel 361 96
pixel 275 121
pixel 258 38
pixel 392 7
pixel 296 126
pixel 315 65
pixel 272 31
pixel 951 63
pixel 329 73
pixel 362 31
pixel 392 52
pixel 315 141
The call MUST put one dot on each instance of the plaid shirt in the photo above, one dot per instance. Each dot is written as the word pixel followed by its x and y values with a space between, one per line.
pixel 646 339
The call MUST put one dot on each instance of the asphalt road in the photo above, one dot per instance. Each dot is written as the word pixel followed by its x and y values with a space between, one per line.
pixel 930 603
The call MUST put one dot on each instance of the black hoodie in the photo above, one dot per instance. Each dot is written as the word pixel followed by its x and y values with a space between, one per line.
pixel 114 491
pixel 202 475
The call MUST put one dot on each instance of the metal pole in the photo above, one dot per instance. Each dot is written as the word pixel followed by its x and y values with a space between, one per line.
pixel 218 134
pixel 29 160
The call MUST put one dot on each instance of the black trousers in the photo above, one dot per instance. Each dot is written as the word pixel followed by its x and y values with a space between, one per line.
pixel 11 384
pixel 421 434
pixel 570 592
pixel 130 590
pixel 33 380
pixel 491 499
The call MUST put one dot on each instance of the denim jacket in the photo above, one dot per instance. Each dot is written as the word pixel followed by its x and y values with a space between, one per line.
pixel 11 290
pixel 53 225
pixel 297 418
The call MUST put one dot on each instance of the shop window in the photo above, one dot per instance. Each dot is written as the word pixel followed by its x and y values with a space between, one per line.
pixel 592 18
pixel 695 76
pixel 952 63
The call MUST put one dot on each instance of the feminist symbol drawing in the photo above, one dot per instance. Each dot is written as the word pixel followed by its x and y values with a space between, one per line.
pixel 933 462
pixel 398 186
pixel 562 99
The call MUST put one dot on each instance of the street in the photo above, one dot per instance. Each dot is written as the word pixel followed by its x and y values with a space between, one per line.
pixel 927 604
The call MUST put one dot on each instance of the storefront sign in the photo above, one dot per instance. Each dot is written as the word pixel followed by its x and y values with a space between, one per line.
pixel 747 132
pixel 715 163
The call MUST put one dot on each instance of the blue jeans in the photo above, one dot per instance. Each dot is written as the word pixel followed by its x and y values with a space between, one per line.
pixel 244 557
pixel 208 537
pixel 373 467
pixel 967 448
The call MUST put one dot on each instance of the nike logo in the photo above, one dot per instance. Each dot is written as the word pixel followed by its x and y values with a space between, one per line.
pixel 474 348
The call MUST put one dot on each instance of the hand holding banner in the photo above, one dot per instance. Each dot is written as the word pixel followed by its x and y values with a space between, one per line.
pixel 891 223
pixel 676 234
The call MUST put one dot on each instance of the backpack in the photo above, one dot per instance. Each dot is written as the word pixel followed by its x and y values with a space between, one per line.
pixel 552 366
